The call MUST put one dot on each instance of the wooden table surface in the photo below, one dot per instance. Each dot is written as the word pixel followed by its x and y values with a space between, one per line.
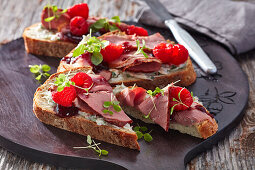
pixel 236 151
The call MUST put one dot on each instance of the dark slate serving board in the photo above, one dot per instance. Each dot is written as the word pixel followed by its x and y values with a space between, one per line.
pixel 224 94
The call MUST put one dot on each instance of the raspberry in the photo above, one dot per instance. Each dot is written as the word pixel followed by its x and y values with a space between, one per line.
pixel 180 55
pixel 82 79
pixel 183 102
pixel 79 10
pixel 65 97
pixel 112 52
pixel 163 52
pixel 78 26
pixel 131 30
pixel 140 94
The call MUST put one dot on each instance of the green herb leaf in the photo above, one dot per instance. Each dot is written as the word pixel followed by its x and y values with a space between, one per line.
pixel 140 49
pixel 46 74
pixel 143 128
pixel 117 108
pixel 139 134
pixel 38 77
pixel 115 19
pixel 45 68
pixel 137 128
pixel 96 58
pixel 104 152
pixel 79 50
pixel 49 19
pixel 89 141
pixel 155 92
pixel 54 8
pixel 99 24
pixel 107 104
pixel 147 137
pixel 146 116
pixel 34 68
pixel 113 27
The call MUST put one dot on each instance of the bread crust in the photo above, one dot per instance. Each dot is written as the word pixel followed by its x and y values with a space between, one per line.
pixel 43 47
pixel 81 125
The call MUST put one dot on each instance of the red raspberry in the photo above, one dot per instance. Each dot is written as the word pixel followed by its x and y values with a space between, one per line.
pixel 180 54
pixel 140 94
pixel 79 10
pixel 65 97
pixel 112 52
pixel 163 52
pixel 82 79
pixel 79 26
pixel 185 100
pixel 131 30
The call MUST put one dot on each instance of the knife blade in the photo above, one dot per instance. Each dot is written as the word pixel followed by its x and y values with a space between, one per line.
pixel 183 37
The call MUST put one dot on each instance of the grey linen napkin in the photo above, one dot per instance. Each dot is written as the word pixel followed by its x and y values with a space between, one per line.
pixel 230 22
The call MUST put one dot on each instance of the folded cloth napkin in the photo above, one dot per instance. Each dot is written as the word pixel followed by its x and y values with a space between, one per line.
pixel 231 22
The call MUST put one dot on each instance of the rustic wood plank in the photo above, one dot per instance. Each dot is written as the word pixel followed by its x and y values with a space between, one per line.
pixel 236 151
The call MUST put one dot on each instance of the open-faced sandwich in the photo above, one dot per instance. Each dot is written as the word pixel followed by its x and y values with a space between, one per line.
pixel 61 30
pixel 149 61
pixel 74 100
pixel 80 101
pixel 172 107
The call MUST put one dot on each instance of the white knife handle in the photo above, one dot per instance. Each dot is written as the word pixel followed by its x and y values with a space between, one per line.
pixel 195 51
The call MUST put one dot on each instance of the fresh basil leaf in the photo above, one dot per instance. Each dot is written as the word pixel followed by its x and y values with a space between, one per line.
pixel 96 58
pixel 49 19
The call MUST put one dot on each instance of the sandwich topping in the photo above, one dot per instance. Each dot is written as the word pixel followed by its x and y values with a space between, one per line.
pixel 172 104
pixel 87 94
pixel 70 24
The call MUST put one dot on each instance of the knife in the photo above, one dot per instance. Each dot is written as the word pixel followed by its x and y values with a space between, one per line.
pixel 183 37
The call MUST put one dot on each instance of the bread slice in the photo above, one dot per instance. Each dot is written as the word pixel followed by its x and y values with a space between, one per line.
pixel 44 109
pixel 40 41
pixel 202 129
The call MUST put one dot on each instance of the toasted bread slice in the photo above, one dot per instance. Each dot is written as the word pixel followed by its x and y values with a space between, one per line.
pixel 40 41
pixel 203 129
pixel 44 109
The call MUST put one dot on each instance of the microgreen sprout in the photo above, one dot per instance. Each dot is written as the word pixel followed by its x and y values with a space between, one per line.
pixel 140 133
pixel 92 45
pixel 140 49
pixel 93 145
pixel 40 71
pixel 114 104
pixel 62 81
pixel 107 24
pixel 155 92
pixel 56 13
